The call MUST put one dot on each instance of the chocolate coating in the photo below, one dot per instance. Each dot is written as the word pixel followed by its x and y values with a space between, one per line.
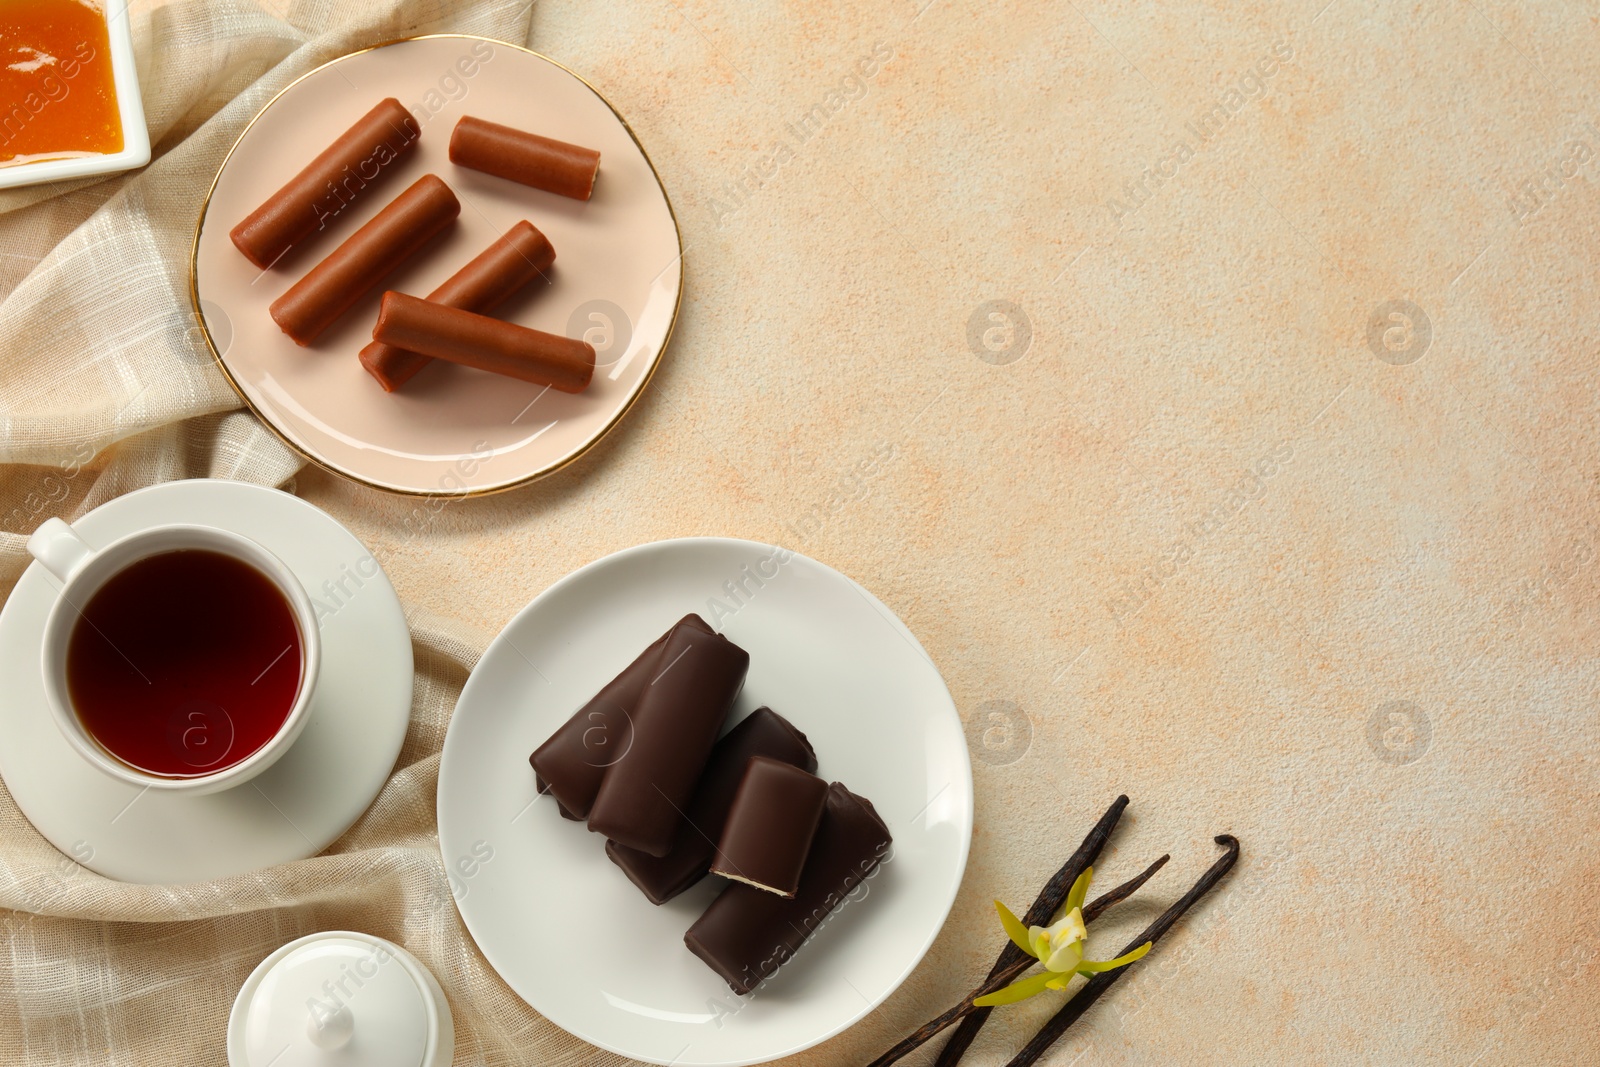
pixel 572 762
pixel 544 787
pixel 487 344
pixel 680 714
pixel 770 826
pixel 747 933
pixel 761 733
pixel 388 239
pixel 526 158
pixel 342 173
pixel 516 258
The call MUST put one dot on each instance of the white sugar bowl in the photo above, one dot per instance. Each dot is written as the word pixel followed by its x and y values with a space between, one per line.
pixel 340 998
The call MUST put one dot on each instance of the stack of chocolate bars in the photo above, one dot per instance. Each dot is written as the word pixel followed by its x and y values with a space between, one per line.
pixel 642 764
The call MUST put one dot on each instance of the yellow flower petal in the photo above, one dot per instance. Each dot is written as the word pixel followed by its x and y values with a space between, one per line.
pixel 1066 958
pixel 1092 966
pixel 1014 928
pixel 1021 989
pixel 1079 890
pixel 1069 928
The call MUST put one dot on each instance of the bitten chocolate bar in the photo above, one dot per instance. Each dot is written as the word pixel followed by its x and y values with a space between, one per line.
pixel 762 733
pixel 571 764
pixel 770 826
pixel 747 933
pixel 643 795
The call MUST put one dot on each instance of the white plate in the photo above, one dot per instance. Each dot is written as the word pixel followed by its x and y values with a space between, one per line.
pixel 295 808
pixel 563 926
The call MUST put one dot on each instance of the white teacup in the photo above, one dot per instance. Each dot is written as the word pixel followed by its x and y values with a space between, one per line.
pixel 82 570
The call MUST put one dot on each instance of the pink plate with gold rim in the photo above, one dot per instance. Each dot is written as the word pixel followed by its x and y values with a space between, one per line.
pixel 451 430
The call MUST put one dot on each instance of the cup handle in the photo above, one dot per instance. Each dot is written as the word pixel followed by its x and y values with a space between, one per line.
pixel 59 548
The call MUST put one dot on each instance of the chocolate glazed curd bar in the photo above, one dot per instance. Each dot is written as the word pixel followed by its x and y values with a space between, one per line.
pixel 544 787
pixel 770 826
pixel 387 240
pixel 762 733
pixel 747 933
pixel 343 172
pixel 474 340
pixel 523 157
pixel 517 257
pixel 571 763
pixel 644 794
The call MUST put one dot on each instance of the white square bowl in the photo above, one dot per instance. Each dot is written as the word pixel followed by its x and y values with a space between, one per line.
pixel 135 137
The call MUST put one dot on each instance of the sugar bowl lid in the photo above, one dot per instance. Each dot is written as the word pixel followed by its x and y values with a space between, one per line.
pixel 340 998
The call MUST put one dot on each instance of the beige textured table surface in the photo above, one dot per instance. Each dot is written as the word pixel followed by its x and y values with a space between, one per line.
pixel 1268 498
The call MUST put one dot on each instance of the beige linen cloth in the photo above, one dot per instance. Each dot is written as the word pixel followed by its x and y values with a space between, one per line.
pixel 105 388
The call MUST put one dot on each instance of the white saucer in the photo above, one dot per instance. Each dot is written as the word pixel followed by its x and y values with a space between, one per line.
pixel 294 809
pixel 563 926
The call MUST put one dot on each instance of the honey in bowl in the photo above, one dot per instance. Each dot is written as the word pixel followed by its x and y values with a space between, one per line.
pixel 57 96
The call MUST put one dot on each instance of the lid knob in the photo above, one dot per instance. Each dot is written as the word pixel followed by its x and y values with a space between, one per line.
pixel 329 1029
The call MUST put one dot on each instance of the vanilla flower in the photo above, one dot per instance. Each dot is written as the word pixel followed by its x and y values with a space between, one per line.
pixel 1058 946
